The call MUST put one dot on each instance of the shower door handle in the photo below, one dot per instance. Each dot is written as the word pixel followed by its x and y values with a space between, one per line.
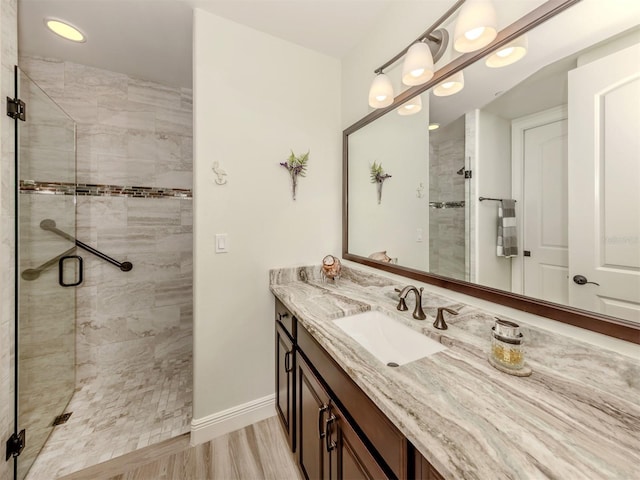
pixel 61 270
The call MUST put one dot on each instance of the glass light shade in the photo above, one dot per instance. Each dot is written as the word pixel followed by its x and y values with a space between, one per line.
pixel 381 92
pixel 64 30
pixel 476 26
pixel 411 106
pixel 450 85
pixel 510 53
pixel 418 64
pixel 433 126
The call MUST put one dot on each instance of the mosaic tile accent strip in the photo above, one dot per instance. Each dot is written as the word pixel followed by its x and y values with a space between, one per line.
pixel 95 190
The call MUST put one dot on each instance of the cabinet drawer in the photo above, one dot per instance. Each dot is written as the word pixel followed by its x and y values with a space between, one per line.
pixel 387 441
pixel 285 317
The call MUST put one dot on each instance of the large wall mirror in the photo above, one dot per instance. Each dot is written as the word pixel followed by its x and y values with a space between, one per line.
pixel 558 132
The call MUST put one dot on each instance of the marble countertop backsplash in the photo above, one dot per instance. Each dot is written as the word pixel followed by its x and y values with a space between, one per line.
pixel 576 417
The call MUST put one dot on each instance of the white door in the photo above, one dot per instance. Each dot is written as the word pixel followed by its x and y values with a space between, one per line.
pixel 544 210
pixel 604 191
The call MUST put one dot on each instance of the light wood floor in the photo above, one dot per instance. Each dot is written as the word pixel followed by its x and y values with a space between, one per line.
pixel 257 452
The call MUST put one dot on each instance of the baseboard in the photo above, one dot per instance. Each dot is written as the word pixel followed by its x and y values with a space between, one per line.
pixel 234 418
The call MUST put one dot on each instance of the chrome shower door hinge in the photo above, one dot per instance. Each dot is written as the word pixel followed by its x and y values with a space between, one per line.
pixel 468 173
pixel 16 108
pixel 16 444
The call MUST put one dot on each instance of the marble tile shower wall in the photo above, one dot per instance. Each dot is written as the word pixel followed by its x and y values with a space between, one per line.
pixel 131 133
pixel 447 225
pixel 9 54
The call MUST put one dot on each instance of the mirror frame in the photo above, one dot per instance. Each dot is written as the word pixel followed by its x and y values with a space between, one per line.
pixel 607 325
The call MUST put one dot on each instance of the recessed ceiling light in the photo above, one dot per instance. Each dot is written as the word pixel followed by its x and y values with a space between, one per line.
pixel 65 30
pixel 434 126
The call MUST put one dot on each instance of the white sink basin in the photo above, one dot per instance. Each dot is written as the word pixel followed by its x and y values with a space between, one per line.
pixel 387 339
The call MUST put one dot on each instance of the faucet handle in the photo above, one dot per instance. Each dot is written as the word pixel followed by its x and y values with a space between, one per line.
pixel 402 305
pixel 418 312
pixel 440 324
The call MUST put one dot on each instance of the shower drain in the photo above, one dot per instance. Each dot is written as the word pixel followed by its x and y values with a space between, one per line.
pixel 60 419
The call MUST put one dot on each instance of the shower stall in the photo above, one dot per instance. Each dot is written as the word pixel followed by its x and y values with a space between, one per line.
pixel 448 205
pixel 103 348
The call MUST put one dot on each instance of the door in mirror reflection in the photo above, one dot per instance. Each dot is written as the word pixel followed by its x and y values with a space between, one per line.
pixel 543 156
pixel 604 158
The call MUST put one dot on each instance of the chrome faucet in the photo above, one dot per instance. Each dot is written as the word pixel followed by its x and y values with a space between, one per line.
pixel 418 313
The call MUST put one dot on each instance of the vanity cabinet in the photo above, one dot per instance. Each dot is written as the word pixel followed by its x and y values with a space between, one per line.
pixel 329 447
pixel 335 429
pixel 312 406
pixel 424 470
pixel 285 371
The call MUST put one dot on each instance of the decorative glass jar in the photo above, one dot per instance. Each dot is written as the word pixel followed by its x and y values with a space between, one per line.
pixel 507 344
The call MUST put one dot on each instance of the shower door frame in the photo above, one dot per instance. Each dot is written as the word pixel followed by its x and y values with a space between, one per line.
pixel 17 110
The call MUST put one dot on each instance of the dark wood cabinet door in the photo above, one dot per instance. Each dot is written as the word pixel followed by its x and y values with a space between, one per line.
pixel 312 408
pixel 351 458
pixel 390 445
pixel 285 382
pixel 424 470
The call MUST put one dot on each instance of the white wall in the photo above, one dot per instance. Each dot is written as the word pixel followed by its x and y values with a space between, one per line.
pixel 492 176
pixel 255 98
pixel 401 144
pixel 619 43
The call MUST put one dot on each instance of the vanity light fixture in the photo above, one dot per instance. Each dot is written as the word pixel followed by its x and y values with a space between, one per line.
pixel 433 126
pixel 450 85
pixel 418 67
pixel 510 53
pixel 65 30
pixel 381 91
pixel 476 26
pixel 418 64
pixel 411 106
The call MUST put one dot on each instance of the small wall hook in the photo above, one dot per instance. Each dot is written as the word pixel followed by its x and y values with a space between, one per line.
pixel 220 174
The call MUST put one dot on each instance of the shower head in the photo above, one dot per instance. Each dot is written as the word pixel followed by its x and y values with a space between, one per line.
pixel 461 171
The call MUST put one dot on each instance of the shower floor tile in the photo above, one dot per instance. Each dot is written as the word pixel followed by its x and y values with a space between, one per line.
pixel 118 413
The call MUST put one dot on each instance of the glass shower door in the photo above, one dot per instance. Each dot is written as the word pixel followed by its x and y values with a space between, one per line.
pixel 46 316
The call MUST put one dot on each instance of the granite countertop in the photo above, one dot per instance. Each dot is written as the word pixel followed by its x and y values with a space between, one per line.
pixel 576 417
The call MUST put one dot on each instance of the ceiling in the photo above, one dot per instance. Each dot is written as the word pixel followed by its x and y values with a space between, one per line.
pixel 122 33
